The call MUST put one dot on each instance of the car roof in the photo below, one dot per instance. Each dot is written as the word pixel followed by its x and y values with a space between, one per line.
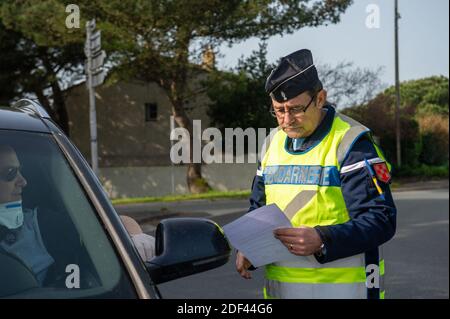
pixel 22 120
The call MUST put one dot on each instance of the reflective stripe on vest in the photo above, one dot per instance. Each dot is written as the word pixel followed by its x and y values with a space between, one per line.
pixel 306 186
pixel 279 290
pixel 321 282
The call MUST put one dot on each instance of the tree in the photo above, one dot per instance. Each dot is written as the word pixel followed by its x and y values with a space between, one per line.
pixel 424 120
pixel 348 85
pixel 160 40
pixel 9 76
pixel 428 95
pixel 167 36
pixel 33 65
pixel 378 115
pixel 239 98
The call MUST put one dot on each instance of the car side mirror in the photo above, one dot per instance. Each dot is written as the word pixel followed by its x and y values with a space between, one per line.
pixel 186 246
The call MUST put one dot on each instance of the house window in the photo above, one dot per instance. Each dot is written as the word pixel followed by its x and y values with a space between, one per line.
pixel 151 112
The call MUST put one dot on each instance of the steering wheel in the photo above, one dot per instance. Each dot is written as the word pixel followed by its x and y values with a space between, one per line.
pixel 15 276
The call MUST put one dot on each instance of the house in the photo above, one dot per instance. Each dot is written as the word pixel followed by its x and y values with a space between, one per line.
pixel 133 134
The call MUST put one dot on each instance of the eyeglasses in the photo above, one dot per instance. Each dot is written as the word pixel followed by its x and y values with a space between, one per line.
pixel 9 174
pixel 294 111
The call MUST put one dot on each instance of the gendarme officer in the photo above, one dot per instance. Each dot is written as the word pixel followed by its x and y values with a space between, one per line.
pixel 325 172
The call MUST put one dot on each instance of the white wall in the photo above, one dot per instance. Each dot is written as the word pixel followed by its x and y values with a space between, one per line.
pixel 121 182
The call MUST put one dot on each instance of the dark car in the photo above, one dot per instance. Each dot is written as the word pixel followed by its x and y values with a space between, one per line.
pixel 75 245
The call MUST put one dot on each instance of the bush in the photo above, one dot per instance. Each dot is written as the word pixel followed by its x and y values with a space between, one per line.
pixel 427 95
pixel 421 171
pixel 378 115
pixel 435 138
pixel 424 121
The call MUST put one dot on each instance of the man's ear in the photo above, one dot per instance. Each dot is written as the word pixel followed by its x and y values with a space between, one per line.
pixel 321 98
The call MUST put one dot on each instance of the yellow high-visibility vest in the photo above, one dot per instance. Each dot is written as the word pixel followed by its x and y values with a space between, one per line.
pixel 315 174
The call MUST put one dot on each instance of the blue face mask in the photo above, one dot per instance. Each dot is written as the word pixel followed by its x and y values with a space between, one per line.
pixel 11 214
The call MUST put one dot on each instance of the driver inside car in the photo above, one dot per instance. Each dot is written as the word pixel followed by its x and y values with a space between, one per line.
pixel 19 228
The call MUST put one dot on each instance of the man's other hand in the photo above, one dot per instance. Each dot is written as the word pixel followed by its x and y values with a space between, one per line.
pixel 242 265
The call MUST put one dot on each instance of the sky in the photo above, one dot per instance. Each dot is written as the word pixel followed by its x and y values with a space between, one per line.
pixel 423 40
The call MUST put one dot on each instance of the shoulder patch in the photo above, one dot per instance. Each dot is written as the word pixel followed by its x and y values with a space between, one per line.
pixel 382 172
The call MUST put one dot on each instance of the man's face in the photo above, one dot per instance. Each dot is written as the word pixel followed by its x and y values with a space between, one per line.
pixel 10 190
pixel 302 124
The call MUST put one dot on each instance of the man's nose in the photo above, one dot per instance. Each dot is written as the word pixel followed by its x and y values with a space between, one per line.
pixel 287 118
pixel 21 181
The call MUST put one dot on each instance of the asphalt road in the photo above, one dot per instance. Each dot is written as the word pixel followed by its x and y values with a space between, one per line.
pixel 416 258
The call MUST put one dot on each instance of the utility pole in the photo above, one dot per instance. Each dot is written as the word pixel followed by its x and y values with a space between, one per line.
pixel 397 91
pixel 95 77
pixel 172 128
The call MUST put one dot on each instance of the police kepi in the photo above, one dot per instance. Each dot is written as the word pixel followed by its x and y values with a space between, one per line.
pixel 295 74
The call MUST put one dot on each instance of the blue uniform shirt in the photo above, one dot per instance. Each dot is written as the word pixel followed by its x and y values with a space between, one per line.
pixel 30 248
pixel 372 219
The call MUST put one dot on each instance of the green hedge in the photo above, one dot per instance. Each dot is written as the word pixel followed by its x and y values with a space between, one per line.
pixel 421 171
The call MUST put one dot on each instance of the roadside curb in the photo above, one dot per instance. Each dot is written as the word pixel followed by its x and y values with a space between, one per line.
pixel 159 210
pixel 206 208
pixel 423 185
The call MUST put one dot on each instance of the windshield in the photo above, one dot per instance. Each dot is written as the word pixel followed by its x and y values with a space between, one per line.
pixel 51 242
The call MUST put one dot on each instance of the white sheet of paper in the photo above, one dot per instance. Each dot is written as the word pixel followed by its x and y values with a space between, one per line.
pixel 252 234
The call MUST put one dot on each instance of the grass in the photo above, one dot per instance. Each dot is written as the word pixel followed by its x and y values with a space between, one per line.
pixel 420 173
pixel 402 176
pixel 395 185
pixel 173 198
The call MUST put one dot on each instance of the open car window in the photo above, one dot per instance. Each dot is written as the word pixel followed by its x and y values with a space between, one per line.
pixel 61 249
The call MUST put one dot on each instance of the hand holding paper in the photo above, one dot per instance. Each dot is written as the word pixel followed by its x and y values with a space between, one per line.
pixel 252 234
pixel 301 241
